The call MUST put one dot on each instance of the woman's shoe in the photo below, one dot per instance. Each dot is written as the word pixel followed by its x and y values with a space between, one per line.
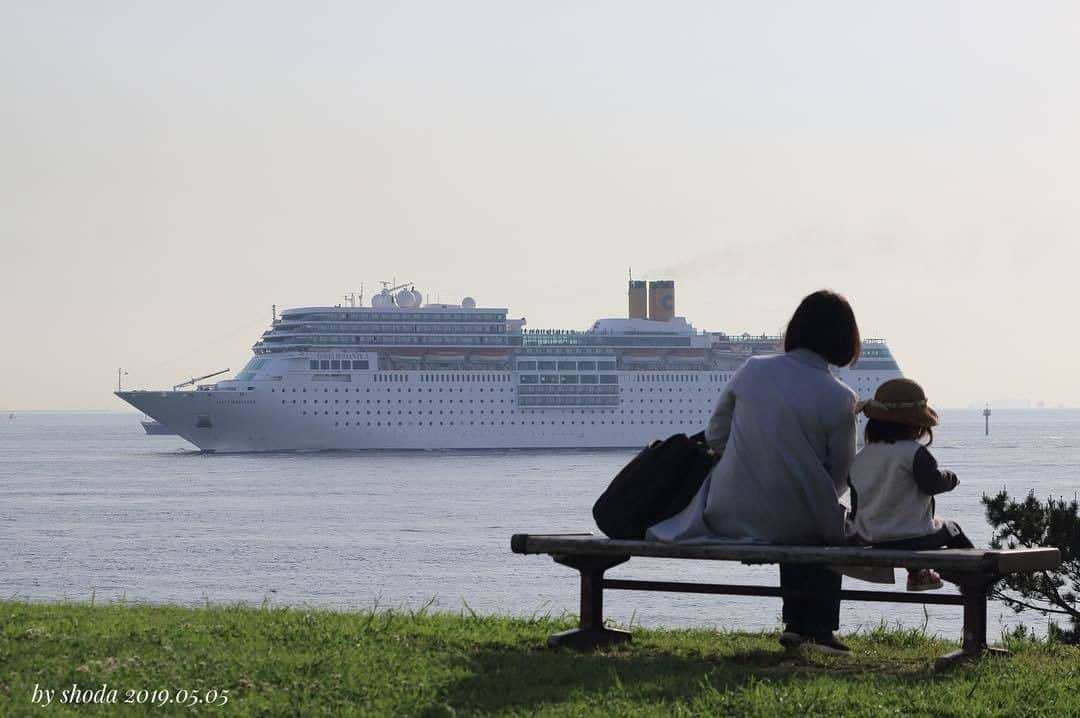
pixel 925 579
pixel 825 643
pixel 791 639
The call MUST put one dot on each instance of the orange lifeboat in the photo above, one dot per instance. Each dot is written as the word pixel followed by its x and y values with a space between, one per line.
pixel 444 355
pixel 484 355
pixel 406 355
pixel 641 356
pixel 686 356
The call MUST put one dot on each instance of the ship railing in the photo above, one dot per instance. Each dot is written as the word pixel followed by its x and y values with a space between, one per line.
pixel 746 337
pixel 611 341
pixel 542 401
pixel 568 389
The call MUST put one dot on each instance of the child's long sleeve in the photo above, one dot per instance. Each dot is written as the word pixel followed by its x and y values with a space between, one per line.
pixel 929 477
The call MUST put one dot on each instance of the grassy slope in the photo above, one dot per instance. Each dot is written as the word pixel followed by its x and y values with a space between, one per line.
pixel 294 662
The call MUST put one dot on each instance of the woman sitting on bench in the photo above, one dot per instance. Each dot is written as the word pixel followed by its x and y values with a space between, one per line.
pixel 786 429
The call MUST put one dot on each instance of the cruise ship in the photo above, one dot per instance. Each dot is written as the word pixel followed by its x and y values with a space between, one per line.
pixel 405 374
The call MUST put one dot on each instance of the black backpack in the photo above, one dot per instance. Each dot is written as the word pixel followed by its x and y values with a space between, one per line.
pixel 657 484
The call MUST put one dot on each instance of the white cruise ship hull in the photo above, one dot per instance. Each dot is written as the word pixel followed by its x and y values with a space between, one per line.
pixel 247 422
pixel 462 410
pixel 403 375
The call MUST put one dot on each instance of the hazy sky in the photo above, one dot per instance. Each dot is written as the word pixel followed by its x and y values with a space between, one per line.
pixel 169 170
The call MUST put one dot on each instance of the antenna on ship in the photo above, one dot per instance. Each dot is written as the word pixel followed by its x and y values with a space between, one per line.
pixel 986 417
pixel 273 311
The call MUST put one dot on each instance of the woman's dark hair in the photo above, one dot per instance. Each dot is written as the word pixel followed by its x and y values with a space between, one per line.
pixel 825 324
pixel 891 432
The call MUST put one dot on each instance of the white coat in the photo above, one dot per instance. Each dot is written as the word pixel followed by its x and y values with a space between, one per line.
pixel 786 427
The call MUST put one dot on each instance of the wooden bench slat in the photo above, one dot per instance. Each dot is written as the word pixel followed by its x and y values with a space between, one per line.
pixel 723 589
pixel 1022 560
pixel 962 560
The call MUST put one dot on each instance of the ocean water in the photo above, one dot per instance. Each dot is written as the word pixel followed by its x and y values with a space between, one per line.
pixel 92 507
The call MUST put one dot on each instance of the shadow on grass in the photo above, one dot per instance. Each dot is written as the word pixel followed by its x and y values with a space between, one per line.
pixel 524 679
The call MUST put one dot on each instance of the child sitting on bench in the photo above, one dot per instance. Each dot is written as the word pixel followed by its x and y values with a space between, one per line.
pixel 895 477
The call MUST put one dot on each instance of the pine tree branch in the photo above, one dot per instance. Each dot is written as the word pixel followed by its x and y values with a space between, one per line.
pixel 1010 601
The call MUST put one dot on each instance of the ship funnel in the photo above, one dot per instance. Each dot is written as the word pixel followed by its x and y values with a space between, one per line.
pixel 638 301
pixel 662 300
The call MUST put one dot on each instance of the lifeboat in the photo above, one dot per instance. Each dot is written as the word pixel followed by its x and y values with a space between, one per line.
pixel 648 356
pixel 406 355
pixel 445 356
pixel 686 356
pixel 733 350
pixel 485 355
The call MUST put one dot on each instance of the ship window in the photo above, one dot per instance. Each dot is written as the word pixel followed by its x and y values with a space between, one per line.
pixel 567 365
pixel 546 365
pixel 313 364
pixel 549 379
pixel 586 366
pixel 526 366
pixel 335 364
pixel 588 379
pixel 324 364
pixel 568 379
pixel 609 379
pixel 528 379
pixel 606 366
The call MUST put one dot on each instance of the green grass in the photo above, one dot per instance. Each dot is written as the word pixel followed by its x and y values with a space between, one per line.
pixel 295 662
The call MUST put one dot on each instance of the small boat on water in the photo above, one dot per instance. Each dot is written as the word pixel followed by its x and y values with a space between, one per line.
pixel 156 428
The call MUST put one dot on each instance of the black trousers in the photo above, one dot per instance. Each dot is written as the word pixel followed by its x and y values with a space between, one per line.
pixel 948 536
pixel 811 599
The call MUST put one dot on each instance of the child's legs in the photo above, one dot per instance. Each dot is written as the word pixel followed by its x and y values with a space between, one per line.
pixel 956 537
pixel 950 535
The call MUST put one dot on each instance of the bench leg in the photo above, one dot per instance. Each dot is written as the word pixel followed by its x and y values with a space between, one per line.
pixel 591 632
pixel 975 591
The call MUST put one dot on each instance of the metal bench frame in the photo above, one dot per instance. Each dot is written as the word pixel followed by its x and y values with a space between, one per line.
pixel 975 571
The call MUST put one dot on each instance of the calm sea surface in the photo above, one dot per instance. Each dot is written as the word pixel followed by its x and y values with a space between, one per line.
pixel 90 506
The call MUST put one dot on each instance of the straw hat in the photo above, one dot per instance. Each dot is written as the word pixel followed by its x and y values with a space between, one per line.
pixel 901 401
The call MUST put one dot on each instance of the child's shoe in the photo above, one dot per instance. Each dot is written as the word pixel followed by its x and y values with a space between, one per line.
pixel 924 579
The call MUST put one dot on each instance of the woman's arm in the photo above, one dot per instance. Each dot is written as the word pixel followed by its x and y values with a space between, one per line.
pixel 719 428
pixel 840 450
pixel 839 456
